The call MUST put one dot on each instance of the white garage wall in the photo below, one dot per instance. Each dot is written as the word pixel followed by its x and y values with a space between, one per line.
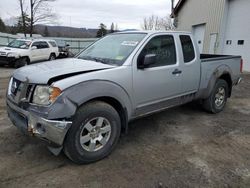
pixel 208 12
pixel 238 28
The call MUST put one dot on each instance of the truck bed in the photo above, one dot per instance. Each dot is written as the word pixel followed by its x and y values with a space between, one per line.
pixel 210 64
pixel 216 57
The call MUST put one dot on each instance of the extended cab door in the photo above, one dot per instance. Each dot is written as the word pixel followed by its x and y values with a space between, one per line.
pixel 158 85
pixel 190 65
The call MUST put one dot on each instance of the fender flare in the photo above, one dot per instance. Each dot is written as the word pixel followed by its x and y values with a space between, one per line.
pixel 77 95
pixel 218 72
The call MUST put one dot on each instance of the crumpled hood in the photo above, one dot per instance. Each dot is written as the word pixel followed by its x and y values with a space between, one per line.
pixel 42 73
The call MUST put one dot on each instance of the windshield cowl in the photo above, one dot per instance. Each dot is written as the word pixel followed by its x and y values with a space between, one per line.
pixel 99 60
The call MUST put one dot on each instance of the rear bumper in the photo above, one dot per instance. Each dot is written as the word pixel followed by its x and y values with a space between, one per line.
pixel 50 130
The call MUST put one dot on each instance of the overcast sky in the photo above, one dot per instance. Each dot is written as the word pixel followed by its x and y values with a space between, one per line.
pixel 127 14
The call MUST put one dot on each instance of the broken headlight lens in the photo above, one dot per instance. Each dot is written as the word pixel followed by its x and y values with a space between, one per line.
pixel 45 95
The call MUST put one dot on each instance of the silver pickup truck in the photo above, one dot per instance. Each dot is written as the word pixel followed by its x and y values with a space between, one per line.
pixel 82 104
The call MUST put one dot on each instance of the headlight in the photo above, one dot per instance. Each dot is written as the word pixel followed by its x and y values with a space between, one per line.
pixel 45 95
pixel 11 54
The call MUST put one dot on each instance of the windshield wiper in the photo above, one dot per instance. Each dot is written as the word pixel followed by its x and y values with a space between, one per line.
pixel 100 60
pixel 97 59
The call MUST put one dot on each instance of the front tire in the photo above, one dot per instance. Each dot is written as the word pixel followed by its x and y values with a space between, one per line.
pixel 217 100
pixel 94 133
pixel 24 61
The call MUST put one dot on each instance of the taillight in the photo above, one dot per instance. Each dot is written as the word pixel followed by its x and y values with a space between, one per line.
pixel 241 65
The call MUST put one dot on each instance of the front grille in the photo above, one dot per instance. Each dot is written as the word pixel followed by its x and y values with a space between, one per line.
pixel 21 91
pixel 2 53
pixel 29 91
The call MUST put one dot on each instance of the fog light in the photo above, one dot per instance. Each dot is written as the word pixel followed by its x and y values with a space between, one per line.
pixel 40 128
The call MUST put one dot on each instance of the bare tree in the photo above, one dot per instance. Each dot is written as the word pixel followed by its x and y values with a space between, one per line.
pixel 23 13
pixel 157 23
pixel 150 22
pixel 40 12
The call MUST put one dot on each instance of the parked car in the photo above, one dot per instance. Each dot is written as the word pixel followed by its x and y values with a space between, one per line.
pixel 63 48
pixel 83 105
pixel 22 52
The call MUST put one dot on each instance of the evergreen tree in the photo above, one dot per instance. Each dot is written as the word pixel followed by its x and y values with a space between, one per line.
pixel 20 28
pixel 2 26
pixel 46 32
pixel 102 30
pixel 112 28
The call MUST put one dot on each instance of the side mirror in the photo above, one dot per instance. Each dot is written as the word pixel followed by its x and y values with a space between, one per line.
pixel 149 59
pixel 67 45
pixel 33 48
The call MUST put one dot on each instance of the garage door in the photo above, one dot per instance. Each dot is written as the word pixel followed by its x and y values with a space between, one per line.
pixel 237 36
pixel 198 32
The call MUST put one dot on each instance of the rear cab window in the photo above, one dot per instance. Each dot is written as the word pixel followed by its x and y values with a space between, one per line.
pixel 187 48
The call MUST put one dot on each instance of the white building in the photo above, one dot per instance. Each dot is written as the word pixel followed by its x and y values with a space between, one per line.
pixel 219 26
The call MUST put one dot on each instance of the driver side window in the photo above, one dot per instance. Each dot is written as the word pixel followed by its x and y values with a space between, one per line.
pixel 37 44
pixel 163 47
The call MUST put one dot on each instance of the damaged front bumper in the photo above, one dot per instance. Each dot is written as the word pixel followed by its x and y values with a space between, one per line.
pixel 4 60
pixel 52 131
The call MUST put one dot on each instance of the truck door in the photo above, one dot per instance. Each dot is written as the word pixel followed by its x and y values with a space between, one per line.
pixel 45 50
pixel 159 84
pixel 190 65
pixel 35 53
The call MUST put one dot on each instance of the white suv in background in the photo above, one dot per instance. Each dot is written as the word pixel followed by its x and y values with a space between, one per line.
pixel 21 52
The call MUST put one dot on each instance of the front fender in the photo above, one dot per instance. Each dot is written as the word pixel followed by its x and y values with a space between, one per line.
pixel 74 96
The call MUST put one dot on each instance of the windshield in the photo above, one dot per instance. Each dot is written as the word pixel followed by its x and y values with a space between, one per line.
pixel 61 42
pixel 112 49
pixel 24 44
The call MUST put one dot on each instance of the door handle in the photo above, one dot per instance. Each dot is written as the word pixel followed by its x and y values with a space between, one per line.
pixel 177 71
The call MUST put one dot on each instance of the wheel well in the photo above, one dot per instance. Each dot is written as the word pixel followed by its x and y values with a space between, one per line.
pixel 53 53
pixel 118 107
pixel 228 79
pixel 27 57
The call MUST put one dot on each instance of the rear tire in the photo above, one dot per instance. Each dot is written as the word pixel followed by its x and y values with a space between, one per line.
pixel 94 133
pixel 217 100
pixel 52 57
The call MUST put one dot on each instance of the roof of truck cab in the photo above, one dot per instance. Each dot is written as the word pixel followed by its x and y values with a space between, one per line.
pixel 36 39
pixel 153 32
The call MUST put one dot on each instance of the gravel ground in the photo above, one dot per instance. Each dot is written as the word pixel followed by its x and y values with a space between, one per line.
pixel 180 147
